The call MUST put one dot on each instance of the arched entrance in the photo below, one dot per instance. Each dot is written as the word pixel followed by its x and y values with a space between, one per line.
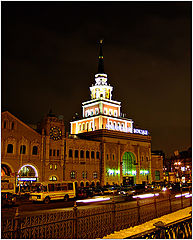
pixel 129 168
pixel 26 175
pixel 5 170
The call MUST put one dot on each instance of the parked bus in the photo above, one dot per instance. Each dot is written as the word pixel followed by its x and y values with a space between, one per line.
pixel 8 185
pixel 47 191
pixel 8 188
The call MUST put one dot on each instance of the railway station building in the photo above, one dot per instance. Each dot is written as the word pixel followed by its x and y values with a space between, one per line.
pixel 103 147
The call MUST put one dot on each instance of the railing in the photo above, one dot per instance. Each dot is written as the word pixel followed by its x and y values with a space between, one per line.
pixel 89 223
pixel 181 229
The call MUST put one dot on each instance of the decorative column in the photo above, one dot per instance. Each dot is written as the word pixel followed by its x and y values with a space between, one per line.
pixel 138 166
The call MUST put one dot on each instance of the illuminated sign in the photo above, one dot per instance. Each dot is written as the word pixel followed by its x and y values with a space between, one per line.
pixel 123 129
pixel 27 179
pixel 140 131
pixel 118 128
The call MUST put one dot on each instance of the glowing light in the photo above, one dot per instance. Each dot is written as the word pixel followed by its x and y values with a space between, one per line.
pixel 148 195
pixel 27 179
pixel 164 189
pixel 94 200
pixel 28 165
pixel 179 195
pixel 189 195
pixel 144 171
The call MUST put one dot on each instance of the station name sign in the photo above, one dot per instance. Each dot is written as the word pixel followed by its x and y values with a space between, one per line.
pixel 140 131
pixel 129 130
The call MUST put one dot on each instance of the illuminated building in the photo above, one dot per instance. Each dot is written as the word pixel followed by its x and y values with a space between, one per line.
pixel 102 148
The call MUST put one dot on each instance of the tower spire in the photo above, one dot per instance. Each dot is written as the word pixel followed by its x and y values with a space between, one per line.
pixel 101 60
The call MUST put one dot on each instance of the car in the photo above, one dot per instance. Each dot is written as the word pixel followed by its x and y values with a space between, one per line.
pixel 127 192
pixel 7 199
pixel 98 192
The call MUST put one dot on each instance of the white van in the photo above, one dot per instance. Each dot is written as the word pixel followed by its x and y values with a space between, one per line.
pixel 47 191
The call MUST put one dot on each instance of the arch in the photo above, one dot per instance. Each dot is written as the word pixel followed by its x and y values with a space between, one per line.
pixel 8 166
pixel 129 164
pixel 81 184
pixel 5 170
pixel 29 165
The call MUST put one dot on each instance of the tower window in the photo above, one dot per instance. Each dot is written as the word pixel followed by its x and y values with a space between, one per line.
pixel 79 127
pixel 12 125
pixel 35 150
pixel 87 154
pixel 58 152
pixel 92 154
pixel 95 175
pixel 110 112
pixel 84 175
pixel 50 152
pixel 105 111
pixel 22 149
pixel 73 175
pixel 97 155
pixel 10 148
pixel 51 166
pixel 76 153
pixel 115 113
pixel 83 126
pixel 4 124
pixel 81 154
pixel 54 152
pixel 70 152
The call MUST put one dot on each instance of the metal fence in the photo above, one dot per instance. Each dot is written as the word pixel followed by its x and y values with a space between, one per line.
pixel 89 223
pixel 181 229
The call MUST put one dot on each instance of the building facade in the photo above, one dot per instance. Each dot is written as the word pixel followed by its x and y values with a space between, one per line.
pixel 102 148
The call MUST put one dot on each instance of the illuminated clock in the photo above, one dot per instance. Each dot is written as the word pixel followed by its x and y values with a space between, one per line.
pixel 55 133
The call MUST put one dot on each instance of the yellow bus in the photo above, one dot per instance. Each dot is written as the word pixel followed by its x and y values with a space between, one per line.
pixel 48 191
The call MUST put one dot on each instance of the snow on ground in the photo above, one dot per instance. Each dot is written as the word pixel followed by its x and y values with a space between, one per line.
pixel 166 219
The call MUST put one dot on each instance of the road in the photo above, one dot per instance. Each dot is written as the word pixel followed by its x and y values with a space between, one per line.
pixel 29 208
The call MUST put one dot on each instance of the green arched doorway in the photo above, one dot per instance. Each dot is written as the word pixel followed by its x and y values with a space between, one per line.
pixel 129 168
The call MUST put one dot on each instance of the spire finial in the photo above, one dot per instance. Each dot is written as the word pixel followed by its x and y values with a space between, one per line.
pixel 101 61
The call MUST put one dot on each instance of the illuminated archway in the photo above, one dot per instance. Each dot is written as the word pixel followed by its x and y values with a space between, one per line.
pixel 129 168
pixel 5 170
pixel 27 170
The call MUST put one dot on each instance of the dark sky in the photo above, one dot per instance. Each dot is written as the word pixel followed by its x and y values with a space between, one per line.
pixel 49 59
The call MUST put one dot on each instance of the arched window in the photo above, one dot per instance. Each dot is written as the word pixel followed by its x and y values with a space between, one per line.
pixel 87 154
pixel 113 157
pixel 53 178
pixel 22 149
pixel 82 184
pixel 10 148
pixel 4 124
pixel 12 125
pixel 92 154
pixel 83 126
pixel 35 150
pixel 70 152
pixel 81 154
pixel 87 127
pixel 76 153
pixel 73 175
pixel 79 127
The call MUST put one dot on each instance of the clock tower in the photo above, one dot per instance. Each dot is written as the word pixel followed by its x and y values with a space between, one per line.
pixel 54 138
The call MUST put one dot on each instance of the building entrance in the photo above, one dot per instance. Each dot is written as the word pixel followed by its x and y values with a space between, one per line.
pixel 129 168
pixel 128 181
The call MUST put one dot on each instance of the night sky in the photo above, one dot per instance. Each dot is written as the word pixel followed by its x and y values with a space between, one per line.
pixel 50 55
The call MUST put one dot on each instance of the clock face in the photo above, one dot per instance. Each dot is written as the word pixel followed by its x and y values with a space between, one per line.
pixel 55 133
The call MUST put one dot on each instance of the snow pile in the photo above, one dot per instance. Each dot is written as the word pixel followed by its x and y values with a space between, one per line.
pixel 166 219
